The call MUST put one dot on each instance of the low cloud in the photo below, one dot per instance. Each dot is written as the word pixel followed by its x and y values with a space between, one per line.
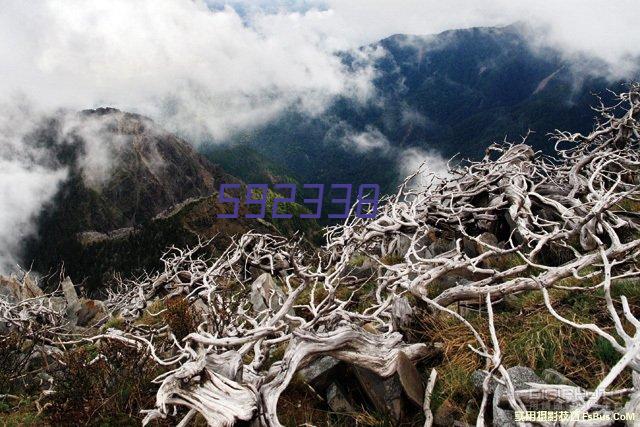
pixel 370 139
pixel 99 149
pixel 203 72
pixel 429 166
pixel 28 180
pixel 602 33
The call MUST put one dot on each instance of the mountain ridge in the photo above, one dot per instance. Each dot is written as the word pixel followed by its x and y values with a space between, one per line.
pixel 450 93
pixel 158 192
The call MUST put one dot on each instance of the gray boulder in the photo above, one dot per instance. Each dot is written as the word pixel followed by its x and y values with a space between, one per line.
pixel 402 312
pixel 520 376
pixel 10 289
pixel 477 379
pixel 384 393
pixel 440 246
pixel 89 312
pixel 360 272
pixel 30 288
pixel 337 401
pixel 13 290
pixel 410 379
pixel 319 373
pixel 551 376
pixel 69 291
pixel 265 293
pixel 473 248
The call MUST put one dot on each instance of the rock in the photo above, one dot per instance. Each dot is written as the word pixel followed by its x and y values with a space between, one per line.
pixel 58 303
pixel 440 246
pixel 486 225
pixel 520 376
pixel 489 239
pixel 551 376
pixel 402 312
pixel 384 393
pixel 90 311
pixel 444 414
pixel 264 292
pixel 30 288
pixel 88 238
pixel 473 248
pixel 401 245
pixel 361 272
pixel 280 262
pixel 14 291
pixel 337 401
pixel 410 379
pixel 260 291
pixel 318 374
pixel 469 247
pixel 10 289
pixel 477 379
pixel 200 308
pixel 69 291
pixel 503 418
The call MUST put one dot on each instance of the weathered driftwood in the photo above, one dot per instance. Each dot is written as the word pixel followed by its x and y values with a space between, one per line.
pixel 554 217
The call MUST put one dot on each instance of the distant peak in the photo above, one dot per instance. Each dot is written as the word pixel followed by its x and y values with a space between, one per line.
pixel 101 111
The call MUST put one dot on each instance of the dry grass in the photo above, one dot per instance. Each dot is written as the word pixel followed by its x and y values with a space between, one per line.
pixel 529 336
pixel 150 314
pixel 391 259
pixel 628 204
pixel 111 393
pixel 179 317
pixel 504 262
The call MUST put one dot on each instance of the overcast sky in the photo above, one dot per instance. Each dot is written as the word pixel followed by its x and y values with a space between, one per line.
pixel 226 65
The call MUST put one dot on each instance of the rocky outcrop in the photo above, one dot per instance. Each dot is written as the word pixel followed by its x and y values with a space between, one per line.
pixel 320 372
pixel 124 169
pixel 337 400
pixel 15 290
pixel 266 293
pixel 77 311
pixel 520 376
pixel 385 393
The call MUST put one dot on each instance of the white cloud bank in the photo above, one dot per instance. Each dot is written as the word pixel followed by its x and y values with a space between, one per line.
pixel 600 29
pixel 429 165
pixel 27 181
pixel 219 65
pixel 209 68
pixel 201 71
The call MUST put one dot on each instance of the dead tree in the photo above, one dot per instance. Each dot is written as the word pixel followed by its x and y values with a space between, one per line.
pixel 553 216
